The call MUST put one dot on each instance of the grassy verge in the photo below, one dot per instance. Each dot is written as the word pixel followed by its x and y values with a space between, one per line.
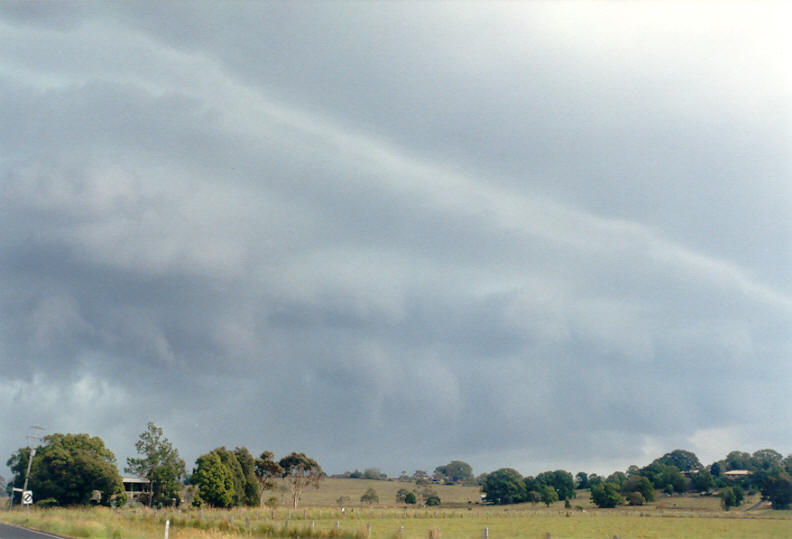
pixel 689 519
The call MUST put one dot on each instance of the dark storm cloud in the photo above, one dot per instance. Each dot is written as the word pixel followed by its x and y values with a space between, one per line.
pixel 498 234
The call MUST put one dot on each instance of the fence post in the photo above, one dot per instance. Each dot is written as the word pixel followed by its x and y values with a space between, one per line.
pixel 486 533
pixel 167 528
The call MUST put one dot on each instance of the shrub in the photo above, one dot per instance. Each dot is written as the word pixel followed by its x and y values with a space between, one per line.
pixel 370 497
pixel 433 500
pixel 636 498
pixel 606 495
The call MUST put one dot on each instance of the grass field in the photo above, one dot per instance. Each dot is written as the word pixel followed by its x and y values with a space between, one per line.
pixel 669 517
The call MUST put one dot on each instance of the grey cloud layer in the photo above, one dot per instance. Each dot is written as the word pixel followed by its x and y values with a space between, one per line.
pixel 347 231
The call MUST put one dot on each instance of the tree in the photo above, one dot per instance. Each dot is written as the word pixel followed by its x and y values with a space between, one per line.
pixel 68 468
pixel 636 498
pixel 606 495
pixel 401 495
pixel 581 480
pixel 778 489
pixel 504 486
pixel 738 460
pixel 410 498
pixel 618 478
pixel 766 459
pixel 300 471
pixel 639 483
pixel 213 480
pixel 18 465
pixel 251 488
pixel 561 481
pixel 684 461
pixel 456 471
pixel 421 477
pixel 374 473
pixel 159 462
pixel 731 497
pixel 594 479
pixel 702 481
pixel 370 497
pixel 433 500
pixel 548 495
pixel 266 470
pixel 663 475
pixel 230 461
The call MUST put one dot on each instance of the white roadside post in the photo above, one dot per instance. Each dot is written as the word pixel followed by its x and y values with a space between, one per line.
pixel 167 528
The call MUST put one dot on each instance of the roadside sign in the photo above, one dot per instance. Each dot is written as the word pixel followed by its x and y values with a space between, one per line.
pixel 27 497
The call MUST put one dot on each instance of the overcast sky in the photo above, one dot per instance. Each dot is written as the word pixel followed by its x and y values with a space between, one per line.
pixel 386 234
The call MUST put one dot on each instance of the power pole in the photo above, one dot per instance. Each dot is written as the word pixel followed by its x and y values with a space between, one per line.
pixel 30 458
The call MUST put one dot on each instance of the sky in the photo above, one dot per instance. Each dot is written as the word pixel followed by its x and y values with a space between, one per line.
pixel 535 235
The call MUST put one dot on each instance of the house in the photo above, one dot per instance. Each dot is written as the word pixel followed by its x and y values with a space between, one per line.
pixel 737 474
pixel 136 488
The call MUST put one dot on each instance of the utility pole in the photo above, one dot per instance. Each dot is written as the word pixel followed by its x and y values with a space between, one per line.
pixel 30 458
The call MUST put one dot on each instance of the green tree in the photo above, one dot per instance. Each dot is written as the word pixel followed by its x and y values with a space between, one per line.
pixel 618 478
pixel 17 463
pixel 410 498
pixel 561 481
pixel 159 462
pixel 606 495
pixel 69 468
pixel 231 462
pixel 432 500
pixel 636 498
pixel 581 480
pixel 300 471
pixel 370 497
pixel 504 486
pixel 213 481
pixel 767 459
pixel 731 497
pixel 702 481
pixel 594 479
pixel 664 476
pixel 778 489
pixel 251 487
pixel 548 495
pixel 456 471
pixel 639 483
pixel 267 469
pixel 401 495
pixel 684 461
pixel 738 460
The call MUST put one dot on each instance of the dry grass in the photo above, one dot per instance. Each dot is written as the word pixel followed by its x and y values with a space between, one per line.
pixel 330 490
pixel 689 516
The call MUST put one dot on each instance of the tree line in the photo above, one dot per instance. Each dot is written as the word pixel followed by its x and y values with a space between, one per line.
pixel 765 471
pixel 78 469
